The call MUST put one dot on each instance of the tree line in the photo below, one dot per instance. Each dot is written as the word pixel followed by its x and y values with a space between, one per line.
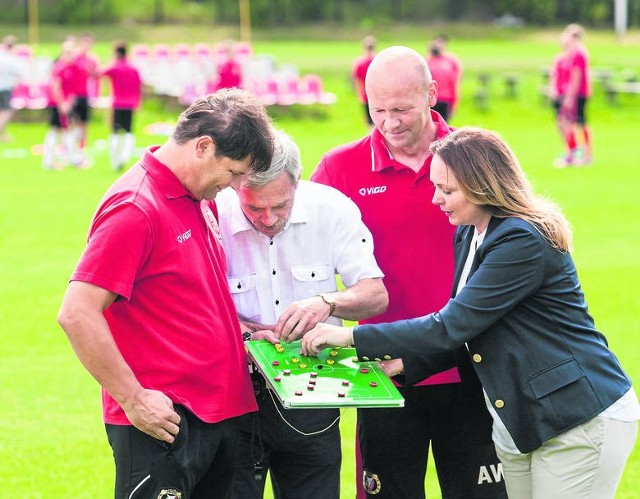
pixel 271 13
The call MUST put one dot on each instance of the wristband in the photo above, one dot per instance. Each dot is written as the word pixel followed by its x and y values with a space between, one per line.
pixel 332 304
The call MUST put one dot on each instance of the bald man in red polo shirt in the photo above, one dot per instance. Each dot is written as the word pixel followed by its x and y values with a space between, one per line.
pixel 386 173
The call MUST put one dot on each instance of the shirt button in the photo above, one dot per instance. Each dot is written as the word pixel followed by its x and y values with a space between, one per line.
pixel 277 302
pixel 273 271
pixel 477 358
pixel 499 404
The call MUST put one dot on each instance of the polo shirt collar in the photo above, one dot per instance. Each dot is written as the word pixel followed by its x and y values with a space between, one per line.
pixel 166 180
pixel 382 158
pixel 240 223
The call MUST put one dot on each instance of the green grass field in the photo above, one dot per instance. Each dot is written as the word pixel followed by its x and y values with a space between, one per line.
pixel 52 441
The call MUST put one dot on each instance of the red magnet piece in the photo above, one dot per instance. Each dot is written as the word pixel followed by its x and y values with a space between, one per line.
pixel 341 394
pixel 299 392
pixel 364 370
pixel 275 363
pixel 373 383
pixel 277 378
pixel 314 374
pixel 345 382
pixel 286 372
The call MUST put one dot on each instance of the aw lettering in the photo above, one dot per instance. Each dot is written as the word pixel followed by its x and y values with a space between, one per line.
pixel 491 474
pixel 366 191
pixel 184 236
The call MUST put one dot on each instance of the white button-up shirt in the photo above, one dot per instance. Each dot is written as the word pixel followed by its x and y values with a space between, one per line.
pixel 324 237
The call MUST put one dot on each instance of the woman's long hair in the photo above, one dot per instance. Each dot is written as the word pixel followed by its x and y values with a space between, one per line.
pixel 490 175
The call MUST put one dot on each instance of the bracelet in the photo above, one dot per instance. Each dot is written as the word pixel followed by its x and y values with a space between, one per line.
pixel 332 304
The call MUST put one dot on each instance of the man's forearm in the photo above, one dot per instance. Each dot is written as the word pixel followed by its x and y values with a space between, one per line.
pixel 367 298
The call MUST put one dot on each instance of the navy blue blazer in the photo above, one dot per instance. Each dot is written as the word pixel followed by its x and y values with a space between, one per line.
pixel 530 338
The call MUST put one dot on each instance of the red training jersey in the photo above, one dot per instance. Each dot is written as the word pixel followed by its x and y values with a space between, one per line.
pixel 413 240
pixel 174 320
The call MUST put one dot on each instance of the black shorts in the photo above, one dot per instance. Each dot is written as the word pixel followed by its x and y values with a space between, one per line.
pixel 300 466
pixel 80 110
pixel 581 117
pixel 56 120
pixel 198 465
pixel 443 109
pixel 122 119
pixel 454 420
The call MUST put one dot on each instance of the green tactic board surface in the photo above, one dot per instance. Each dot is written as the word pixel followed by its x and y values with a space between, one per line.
pixel 335 378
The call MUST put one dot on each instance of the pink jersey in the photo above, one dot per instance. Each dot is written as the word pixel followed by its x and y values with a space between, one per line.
pixel 126 84
pixel 63 75
pixel 174 320
pixel 413 240
pixel 579 60
pixel 359 73
pixel 86 69
pixel 445 70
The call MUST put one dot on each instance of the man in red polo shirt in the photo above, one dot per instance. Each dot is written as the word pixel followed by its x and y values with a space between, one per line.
pixel 387 175
pixel 148 309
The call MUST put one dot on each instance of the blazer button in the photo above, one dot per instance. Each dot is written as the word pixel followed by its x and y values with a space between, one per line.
pixel 477 358
pixel 387 357
pixel 378 359
pixel 365 358
pixel 499 403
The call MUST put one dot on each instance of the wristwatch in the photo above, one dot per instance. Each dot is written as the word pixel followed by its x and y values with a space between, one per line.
pixel 332 303
pixel 246 336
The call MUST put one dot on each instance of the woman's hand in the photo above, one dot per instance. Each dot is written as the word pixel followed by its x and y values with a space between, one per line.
pixel 392 367
pixel 326 335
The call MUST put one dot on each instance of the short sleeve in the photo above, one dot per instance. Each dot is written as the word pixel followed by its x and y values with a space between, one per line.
pixel 119 244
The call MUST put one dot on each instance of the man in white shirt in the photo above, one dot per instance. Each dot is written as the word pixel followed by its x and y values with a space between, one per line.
pixel 285 241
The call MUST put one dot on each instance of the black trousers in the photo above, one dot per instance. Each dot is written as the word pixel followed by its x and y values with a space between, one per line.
pixel 454 420
pixel 304 464
pixel 198 465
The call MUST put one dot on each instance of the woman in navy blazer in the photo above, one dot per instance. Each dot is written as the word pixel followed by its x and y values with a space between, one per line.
pixel 565 415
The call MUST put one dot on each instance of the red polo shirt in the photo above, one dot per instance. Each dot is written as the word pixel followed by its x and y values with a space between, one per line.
pixel 174 320
pixel 413 240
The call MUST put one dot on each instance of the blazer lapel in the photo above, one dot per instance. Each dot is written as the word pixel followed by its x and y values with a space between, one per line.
pixel 464 235
pixel 493 223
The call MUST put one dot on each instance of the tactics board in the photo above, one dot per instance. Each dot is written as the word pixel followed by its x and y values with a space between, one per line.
pixel 335 378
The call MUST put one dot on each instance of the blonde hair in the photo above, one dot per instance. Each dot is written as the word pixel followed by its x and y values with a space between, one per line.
pixel 490 175
pixel 574 30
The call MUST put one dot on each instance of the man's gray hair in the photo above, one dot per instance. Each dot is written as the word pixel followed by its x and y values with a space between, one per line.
pixel 286 158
